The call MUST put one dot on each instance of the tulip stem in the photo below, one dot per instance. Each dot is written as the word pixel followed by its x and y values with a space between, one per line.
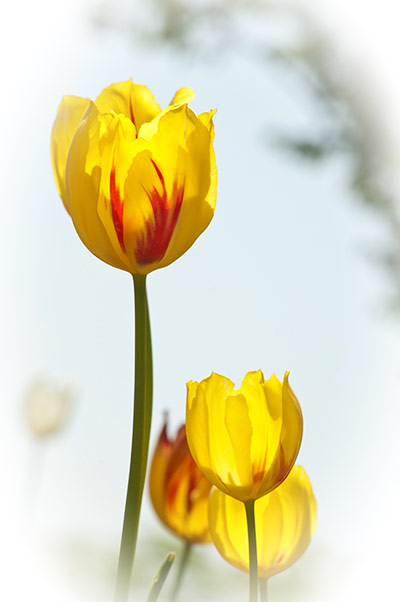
pixel 143 394
pixel 181 570
pixel 253 564
pixel 263 582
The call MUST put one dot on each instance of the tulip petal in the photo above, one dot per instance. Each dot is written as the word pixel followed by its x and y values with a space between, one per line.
pixel 194 166
pixel 183 95
pixel 84 191
pixel 292 425
pixel 218 388
pixel 274 400
pixel 69 115
pixel 152 210
pixel 232 543
pixel 159 466
pixel 252 390
pixel 298 509
pixel 198 439
pixel 285 524
pixel 270 548
pixel 209 445
pixel 118 146
pixel 134 101
pixel 207 120
pixel 240 432
pixel 167 189
pixel 179 491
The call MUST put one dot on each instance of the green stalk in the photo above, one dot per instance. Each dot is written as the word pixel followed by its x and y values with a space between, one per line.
pixel 181 570
pixel 263 582
pixel 143 394
pixel 253 564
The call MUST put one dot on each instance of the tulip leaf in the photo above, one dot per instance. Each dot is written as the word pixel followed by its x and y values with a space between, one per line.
pixel 160 577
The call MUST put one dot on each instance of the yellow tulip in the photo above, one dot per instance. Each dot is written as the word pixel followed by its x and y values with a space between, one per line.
pixel 178 489
pixel 285 521
pixel 247 440
pixel 138 182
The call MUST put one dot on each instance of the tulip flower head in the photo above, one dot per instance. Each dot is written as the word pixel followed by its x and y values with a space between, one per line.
pixel 138 182
pixel 47 407
pixel 247 440
pixel 285 521
pixel 178 489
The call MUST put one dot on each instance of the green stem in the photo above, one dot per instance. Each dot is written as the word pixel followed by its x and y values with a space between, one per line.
pixel 263 582
pixel 143 394
pixel 253 565
pixel 181 570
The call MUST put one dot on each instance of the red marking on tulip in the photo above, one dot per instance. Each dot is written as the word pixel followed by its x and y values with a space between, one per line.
pixel 131 112
pixel 172 490
pixel 117 209
pixel 154 242
pixel 283 469
pixel 279 560
pixel 182 471
pixel 258 469
pixel 176 465
pixel 164 441
pixel 186 475
pixel 258 476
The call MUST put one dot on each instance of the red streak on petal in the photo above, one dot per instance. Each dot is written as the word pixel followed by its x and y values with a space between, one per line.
pixel 186 475
pixel 153 245
pixel 172 490
pixel 117 209
pixel 279 560
pixel 258 469
pixel 131 112
pixel 182 471
pixel 258 477
pixel 164 441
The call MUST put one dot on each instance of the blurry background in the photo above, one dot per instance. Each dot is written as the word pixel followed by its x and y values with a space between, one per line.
pixel 299 270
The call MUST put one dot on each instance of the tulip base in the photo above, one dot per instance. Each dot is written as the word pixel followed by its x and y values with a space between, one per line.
pixel 253 563
pixel 143 395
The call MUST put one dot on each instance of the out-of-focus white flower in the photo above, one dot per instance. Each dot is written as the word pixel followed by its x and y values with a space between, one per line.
pixel 47 406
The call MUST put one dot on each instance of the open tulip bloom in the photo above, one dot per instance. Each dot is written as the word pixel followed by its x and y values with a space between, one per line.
pixel 246 440
pixel 140 186
pixel 139 183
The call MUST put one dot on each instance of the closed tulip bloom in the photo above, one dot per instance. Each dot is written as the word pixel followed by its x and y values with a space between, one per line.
pixel 47 407
pixel 247 440
pixel 285 521
pixel 178 489
pixel 138 182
